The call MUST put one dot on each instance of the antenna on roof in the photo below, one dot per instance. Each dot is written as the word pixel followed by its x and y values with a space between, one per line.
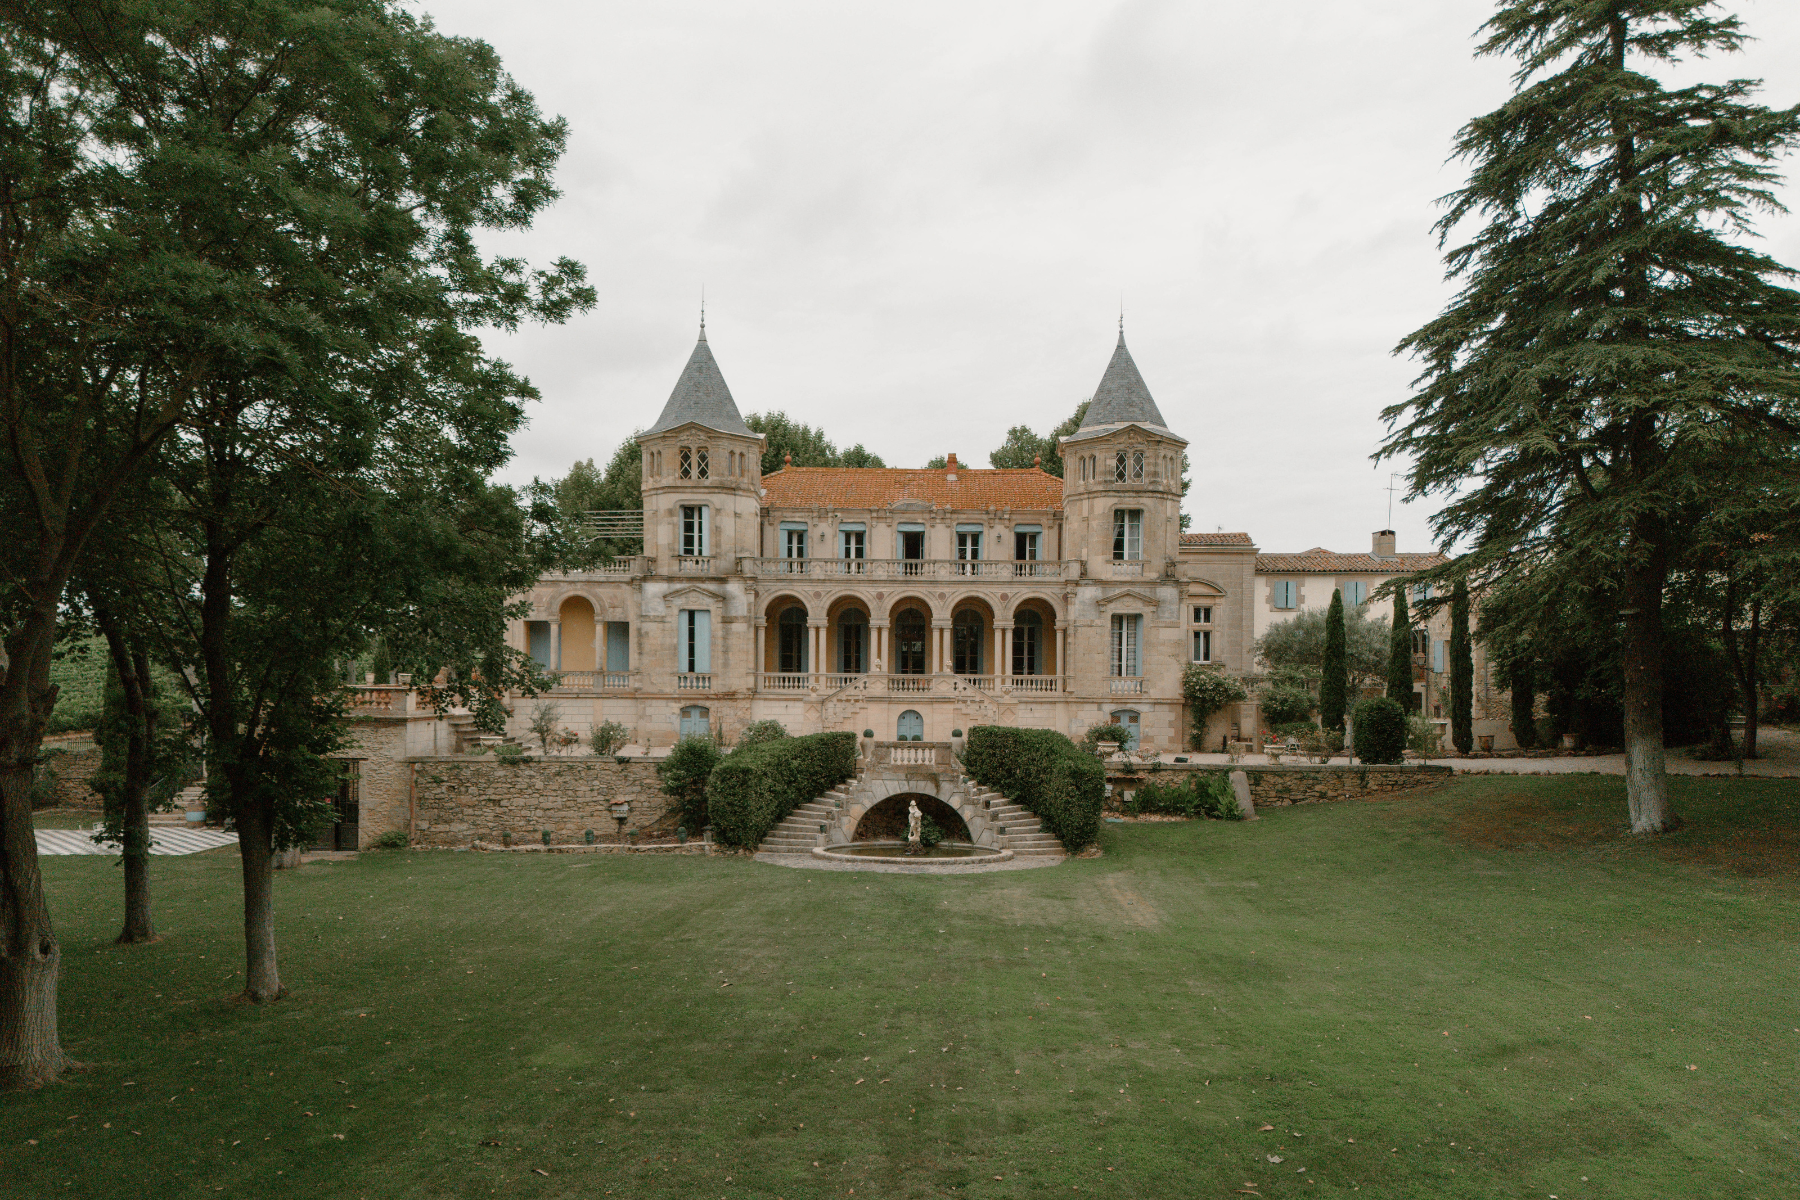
pixel 1121 314
pixel 1390 491
pixel 703 310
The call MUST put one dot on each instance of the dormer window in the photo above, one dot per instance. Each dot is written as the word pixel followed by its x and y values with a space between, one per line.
pixel 702 469
pixel 687 463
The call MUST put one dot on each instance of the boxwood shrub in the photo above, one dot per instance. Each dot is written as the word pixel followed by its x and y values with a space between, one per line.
pixel 1044 772
pixel 752 790
pixel 1380 731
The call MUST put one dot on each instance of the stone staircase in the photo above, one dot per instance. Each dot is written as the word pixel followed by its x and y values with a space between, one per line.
pixel 1021 832
pixel 800 832
pixel 192 797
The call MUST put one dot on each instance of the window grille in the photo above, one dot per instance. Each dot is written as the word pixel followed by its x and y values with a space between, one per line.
pixel 1137 466
pixel 1119 468
pixel 687 463
pixel 702 467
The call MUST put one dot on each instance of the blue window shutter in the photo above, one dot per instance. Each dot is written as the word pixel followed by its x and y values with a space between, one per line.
pixel 702 641
pixel 618 646
pixel 1437 656
pixel 682 620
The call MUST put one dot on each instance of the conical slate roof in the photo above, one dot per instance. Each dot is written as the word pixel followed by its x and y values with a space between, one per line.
pixel 700 396
pixel 1122 395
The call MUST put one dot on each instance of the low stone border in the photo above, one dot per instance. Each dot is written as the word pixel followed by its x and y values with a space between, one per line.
pixel 834 855
pixel 596 848
pixel 941 867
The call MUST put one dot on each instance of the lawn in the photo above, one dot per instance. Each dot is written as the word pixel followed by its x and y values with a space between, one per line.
pixel 1404 998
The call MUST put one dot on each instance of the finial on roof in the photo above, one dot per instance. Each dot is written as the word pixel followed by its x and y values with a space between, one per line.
pixel 703 312
pixel 787 458
pixel 1037 460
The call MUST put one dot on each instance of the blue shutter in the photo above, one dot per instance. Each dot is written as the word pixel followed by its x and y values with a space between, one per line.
pixel 618 646
pixel 702 641
pixel 681 640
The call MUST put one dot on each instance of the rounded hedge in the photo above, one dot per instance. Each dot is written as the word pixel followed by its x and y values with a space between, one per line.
pixel 1380 731
pixel 752 791
pixel 1044 772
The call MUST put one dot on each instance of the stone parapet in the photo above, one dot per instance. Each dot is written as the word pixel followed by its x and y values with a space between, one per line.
pixel 460 800
pixel 1274 786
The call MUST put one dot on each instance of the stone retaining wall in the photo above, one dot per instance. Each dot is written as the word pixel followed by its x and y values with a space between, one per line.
pixel 1278 785
pixel 71 769
pixel 462 799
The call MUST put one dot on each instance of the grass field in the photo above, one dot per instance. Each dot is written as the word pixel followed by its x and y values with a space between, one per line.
pixel 1477 992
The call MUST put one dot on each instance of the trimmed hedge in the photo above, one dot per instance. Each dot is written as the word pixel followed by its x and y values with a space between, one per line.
pixel 1046 773
pixel 1380 731
pixel 752 790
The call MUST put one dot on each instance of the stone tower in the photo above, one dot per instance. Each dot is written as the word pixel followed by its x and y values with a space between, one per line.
pixel 702 472
pixel 1122 480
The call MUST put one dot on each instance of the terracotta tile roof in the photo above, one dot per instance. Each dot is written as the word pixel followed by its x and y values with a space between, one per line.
pixel 1215 539
pixel 1320 561
pixel 880 487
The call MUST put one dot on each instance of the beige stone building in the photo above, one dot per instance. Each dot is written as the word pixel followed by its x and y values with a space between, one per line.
pixel 907 602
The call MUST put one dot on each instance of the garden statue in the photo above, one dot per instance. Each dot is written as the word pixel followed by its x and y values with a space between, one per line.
pixel 912 824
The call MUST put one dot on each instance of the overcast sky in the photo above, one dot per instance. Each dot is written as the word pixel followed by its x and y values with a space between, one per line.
pixel 914 223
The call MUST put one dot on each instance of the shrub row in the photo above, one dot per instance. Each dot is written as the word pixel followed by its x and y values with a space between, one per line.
pixel 1197 796
pixel 754 788
pixel 1043 771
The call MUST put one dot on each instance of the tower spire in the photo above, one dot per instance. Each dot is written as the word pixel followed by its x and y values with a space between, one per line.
pixel 703 312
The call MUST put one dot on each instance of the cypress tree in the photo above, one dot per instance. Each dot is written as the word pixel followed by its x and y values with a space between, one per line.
pixel 1400 671
pixel 1523 682
pixel 1334 683
pixel 1614 323
pixel 1462 672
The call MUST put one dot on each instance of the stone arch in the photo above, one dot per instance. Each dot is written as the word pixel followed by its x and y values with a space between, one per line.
pixel 886 819
pixel 849 644
pixel 780 601
pixel 1050 605
pixel 906 600
pixel 579 620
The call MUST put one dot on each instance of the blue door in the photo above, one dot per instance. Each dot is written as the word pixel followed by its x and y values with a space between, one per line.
pixel 912 727
pixel 696 722
pixel 1129 719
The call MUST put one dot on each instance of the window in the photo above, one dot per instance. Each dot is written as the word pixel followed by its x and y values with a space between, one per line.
pixel 1437 655
pixel 966 638
pixel 1356 591
pixel 696 721
pixel 701 468
pixel 1203 615
pixel 1119 468
pixel 850 543
pixel 693 530
pixel 1025 544
pixel 687 463
pixel 1283 594
pixel 912 546
pixel 853 642
pixel 909 642
pixel 693 641
pixel 1028 644
pixel 618 645
pixel 790 641
pixel 1137 466
pixel 1129 719
pixel 1203 645
pixel 1128 533
pixel 968 548
pixel 1421 591
pixel 1421 642
pixel 537 643
pixel 793 541
pixel 1125 632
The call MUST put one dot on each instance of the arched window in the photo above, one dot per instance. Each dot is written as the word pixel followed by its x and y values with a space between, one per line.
pixel 790 641
pixel 853 642
pixel 696 721
pixel 966 639
pixel 1028 643
pixel 1129 719
pixel 909 642
pixel 910 728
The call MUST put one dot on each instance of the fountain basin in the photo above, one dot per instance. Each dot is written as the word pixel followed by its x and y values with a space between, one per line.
pixel 895 852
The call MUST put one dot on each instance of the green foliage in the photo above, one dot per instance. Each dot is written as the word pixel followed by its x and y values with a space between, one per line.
pixel 684 774
pixel 1400 662
pixel 1022 447
pixel 1201 794
pixel 1334 679
pixel 752 791
pixel 587 489
pixel 1521 679
pixel 1299 644
pixel 1380 730
pixel 509 752
pixel 1294 729
pixel 760 733
pixel 546 719
pixel 607 737
pixel 929 833
pixel 393 839
pixel 1424 736
pixel 1111 735
pixel 808 446
pixel 1206 690
pixel 1321 745
pixel 939 463
pixel 1462 671
pixel 1043 771
pixel 79 670
pixel 1285 705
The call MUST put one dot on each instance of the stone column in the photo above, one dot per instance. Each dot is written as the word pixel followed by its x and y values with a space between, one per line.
pixel 556 645
pixel 757 668
pixel 1062 652
pixel 1002 660
pixel 878 646
pixel 816 636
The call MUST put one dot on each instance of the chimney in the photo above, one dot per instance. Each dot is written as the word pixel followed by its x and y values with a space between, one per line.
pixel 1384 544
pixel 950 463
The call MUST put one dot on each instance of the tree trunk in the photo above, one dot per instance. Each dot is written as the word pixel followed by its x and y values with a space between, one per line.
pixel 1646 778
pixel 1743 658
pixel 133 667
pixel 262 978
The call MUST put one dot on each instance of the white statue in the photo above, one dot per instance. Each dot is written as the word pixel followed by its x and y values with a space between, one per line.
pixel 912 822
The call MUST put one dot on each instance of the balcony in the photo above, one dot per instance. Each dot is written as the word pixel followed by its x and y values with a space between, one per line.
pixel 907 685
pixel 1127 568
pixel 595 681
pixel 1127 687
pixel 687 682
pixel 693 565
pixel 991 570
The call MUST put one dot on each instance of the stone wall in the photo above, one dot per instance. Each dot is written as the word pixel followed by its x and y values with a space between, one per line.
pixel 1272 787
pixel 71 767
pixel 463 799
